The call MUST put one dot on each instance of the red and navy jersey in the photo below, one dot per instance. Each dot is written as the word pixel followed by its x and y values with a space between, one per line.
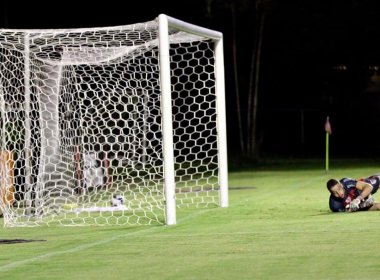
pixel 351 191
pixel 349 185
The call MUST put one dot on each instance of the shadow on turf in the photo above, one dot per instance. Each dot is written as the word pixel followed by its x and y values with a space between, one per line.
pixel 328 212
pixel 232 188
pixel 15 241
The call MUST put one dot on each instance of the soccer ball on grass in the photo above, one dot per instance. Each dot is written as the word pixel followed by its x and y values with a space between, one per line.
pixel 117 200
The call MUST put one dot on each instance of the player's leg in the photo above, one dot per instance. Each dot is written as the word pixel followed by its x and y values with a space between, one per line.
pixel 375 207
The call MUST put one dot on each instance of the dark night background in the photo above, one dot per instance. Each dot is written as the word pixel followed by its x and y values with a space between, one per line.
pixel 319 58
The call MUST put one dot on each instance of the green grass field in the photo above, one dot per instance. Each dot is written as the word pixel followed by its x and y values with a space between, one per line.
pixel 277 226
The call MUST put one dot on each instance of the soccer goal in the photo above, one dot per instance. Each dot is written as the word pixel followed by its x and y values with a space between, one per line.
pixel 111 126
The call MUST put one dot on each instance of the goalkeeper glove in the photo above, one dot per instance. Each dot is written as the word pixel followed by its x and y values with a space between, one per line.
pixel 354 205
pixel 367 202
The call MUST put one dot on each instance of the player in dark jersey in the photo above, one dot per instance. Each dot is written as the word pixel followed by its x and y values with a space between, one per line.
pixel 350 195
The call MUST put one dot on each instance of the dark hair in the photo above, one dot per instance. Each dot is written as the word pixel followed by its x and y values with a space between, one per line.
pixel 330 183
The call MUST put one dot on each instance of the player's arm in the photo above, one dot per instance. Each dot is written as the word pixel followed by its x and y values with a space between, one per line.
pixel 364 188
pixel 365 191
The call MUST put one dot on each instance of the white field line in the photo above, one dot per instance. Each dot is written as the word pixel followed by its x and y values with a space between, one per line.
pixel 47 256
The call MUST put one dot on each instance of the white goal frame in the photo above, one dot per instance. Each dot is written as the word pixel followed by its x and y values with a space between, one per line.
pixel 19 43
pixel 164 23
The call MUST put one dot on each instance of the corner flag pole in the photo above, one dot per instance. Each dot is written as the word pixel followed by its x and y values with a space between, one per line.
pixel 328 132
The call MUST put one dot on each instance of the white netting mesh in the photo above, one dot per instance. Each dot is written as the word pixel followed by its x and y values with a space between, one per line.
pixel 81 124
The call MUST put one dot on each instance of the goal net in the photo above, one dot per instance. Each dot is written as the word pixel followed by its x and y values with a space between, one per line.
pixel 111 126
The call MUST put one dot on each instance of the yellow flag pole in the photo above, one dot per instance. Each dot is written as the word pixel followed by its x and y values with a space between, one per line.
pixel 327 152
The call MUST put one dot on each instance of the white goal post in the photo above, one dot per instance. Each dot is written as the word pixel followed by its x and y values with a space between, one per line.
pixel 113 125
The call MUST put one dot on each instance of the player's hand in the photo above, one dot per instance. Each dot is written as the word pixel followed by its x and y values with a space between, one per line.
pixel 354 205
pixel 369 201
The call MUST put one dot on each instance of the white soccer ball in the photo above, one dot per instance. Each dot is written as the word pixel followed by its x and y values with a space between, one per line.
pixel 117 200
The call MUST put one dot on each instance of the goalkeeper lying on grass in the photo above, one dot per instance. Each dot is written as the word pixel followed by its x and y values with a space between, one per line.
pixel 351 195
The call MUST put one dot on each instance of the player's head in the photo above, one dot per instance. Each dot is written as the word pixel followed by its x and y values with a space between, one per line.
pixel 335 188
